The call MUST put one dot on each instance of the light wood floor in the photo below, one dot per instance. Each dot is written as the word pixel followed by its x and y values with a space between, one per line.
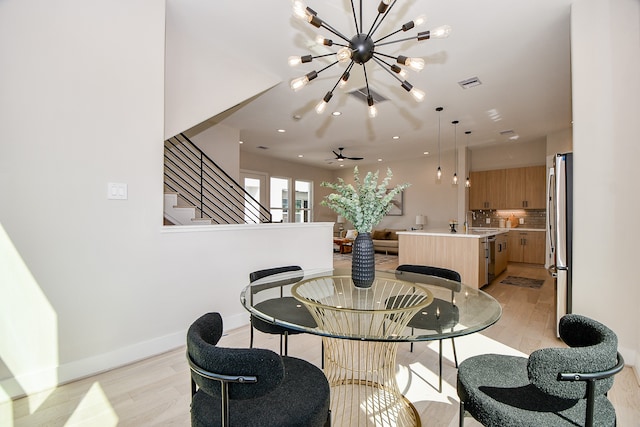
pixel 155 392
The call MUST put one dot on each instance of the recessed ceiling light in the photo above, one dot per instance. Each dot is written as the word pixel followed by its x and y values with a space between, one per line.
pixel 300 155
pixel 396 137
pixel 297 117
pixel 240 142
pixel 281 130
pixel 379 160
pixel 426 153
pixel 336 113
pixel 341 165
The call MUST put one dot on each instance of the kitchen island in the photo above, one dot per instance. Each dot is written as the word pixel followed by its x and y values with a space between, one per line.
pixel 465 252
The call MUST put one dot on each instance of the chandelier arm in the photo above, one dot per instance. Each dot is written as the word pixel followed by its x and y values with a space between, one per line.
pixel 389 35
pixel 341 76
pixel 366 79
pixel 394 41
pixel 384 54
pixel 355 19
pixel 322 56
pixel 334 31
pixel 373 30
pixel 328 66
pixel 380 63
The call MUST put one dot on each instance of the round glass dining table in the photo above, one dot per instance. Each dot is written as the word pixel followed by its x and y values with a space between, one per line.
pixel 361 329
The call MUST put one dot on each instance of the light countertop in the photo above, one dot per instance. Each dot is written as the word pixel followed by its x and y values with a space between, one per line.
pixel 475 232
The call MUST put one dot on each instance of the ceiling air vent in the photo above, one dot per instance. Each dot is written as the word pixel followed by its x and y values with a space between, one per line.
pixel 510 134
pixel 262 147
pixel 471 82
pixel 361 94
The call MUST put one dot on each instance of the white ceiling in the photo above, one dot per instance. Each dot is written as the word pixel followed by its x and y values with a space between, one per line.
pixel 519 49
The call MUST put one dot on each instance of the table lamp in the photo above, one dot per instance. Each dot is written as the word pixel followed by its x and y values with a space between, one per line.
pixel 340 221
pixel 421 220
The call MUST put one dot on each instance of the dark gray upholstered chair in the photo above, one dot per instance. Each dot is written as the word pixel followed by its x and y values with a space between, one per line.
pixel 449 314
pixel 288 308
pixel 553 387
pixel 251 387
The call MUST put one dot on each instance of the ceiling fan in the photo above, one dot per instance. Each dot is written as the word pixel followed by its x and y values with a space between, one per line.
pixel 341 157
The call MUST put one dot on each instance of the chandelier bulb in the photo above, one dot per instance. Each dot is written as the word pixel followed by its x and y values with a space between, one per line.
pixel 420 20
pixel 294 60
pixel 439 173
pixel 343 55
pixel 344 79
pixel 398 70
pixel 300 10
pixel 416 64
pixel 300 82
pixel 384 4
pixel 373 111
pixel 455 179
pixel 297 60
pixel 467 183
pixel 417 94
pixel 322 105
pixel 441 32
pixel 321 40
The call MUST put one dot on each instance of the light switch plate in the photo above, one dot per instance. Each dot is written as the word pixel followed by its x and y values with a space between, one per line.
pixel 488 220
pixel 116 191
pixel 521 220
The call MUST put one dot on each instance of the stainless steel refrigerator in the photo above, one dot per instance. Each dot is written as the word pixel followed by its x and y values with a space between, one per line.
pixel 560 215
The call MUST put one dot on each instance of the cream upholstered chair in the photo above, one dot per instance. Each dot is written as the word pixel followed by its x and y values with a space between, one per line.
pixel 251 387
pixel 553 387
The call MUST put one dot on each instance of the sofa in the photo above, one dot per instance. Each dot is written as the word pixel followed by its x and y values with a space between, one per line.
pixel 385 240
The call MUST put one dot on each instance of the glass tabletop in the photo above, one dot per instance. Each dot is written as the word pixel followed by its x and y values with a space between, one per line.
pixel 400 306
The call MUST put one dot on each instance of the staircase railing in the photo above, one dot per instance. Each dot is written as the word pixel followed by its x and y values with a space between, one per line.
pixel 203 184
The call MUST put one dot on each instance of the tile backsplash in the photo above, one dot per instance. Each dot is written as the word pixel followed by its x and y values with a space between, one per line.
pixel 533 218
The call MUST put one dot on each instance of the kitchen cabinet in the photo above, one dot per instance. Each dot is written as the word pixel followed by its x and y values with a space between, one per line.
pixel 526 187
pixel 501 254
pixel 487 190
pixel 464 253
pixel 526 246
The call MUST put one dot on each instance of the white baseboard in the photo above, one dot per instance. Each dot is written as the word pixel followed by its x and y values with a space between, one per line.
pixel 21 385
pixel 34 382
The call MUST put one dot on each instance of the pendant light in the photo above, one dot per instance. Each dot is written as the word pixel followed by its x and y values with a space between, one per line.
pixel 455 146
pixel 468 181
pixel 439 171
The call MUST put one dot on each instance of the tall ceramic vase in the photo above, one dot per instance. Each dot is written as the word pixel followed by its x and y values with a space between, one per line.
pixel 363 266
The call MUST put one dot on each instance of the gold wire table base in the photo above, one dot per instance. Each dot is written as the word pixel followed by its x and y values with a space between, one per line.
pixel 364 391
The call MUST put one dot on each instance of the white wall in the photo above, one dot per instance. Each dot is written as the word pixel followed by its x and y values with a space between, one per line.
pixel 560 142
pixel 204 74
pixel 606 107
pixel 438 201
pixel 220 143
pixel 513 155
pixel 101 282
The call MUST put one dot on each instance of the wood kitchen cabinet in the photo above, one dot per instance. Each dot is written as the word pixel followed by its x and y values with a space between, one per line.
pixel 487 190
pixel 526 187
pixel 526 246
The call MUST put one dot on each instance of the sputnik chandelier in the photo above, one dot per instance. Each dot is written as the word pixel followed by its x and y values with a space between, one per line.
pixel 362 48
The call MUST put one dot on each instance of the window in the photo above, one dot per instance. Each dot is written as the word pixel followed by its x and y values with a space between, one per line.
pixel 281 199
pixel 303 201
